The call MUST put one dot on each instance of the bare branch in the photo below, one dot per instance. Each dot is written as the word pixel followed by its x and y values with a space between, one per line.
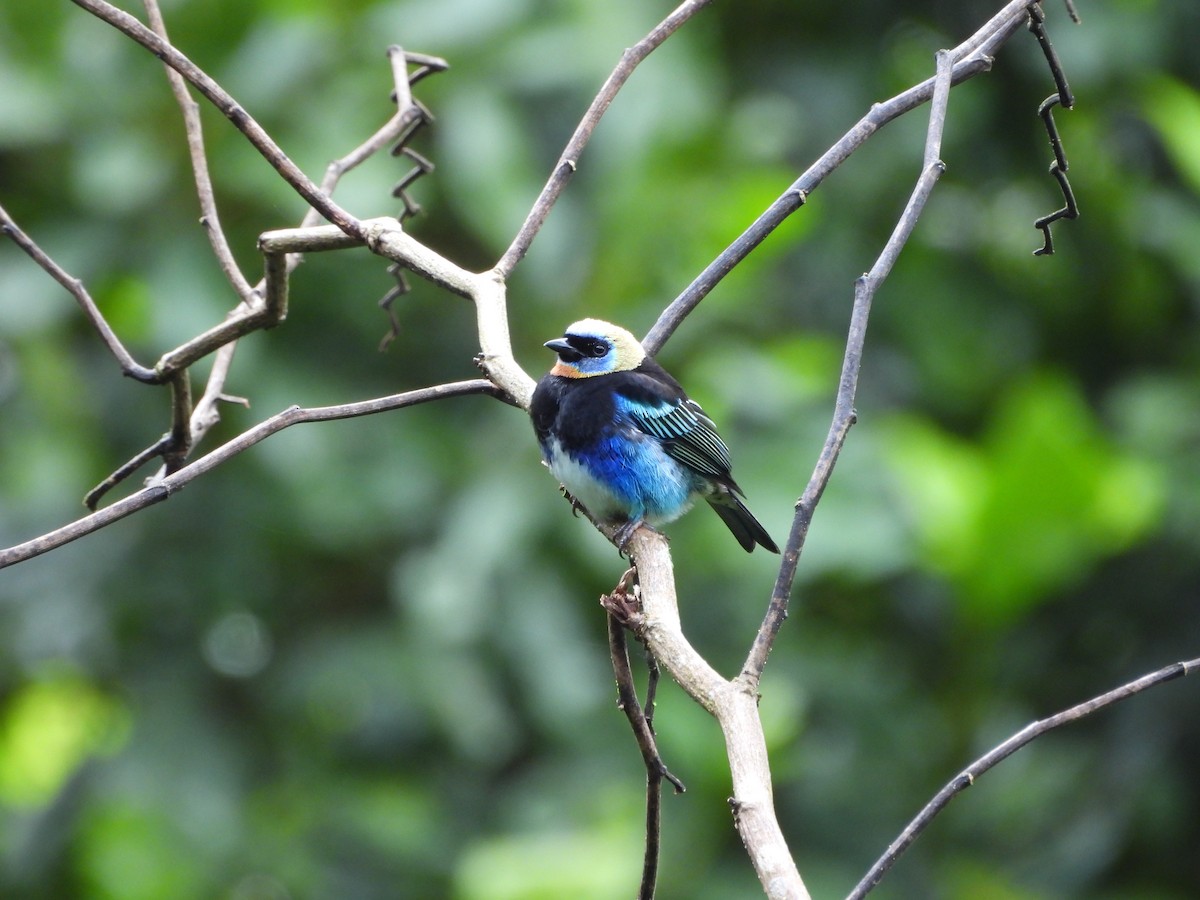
pixel 408 113
pixel 204 188
pixel 129 366
pixel 734 704
pixel 231 109
pixel 844 415
pixel 164 488
pixel 970 58
pixel 568 162
pixel 620 605
pixel 997 754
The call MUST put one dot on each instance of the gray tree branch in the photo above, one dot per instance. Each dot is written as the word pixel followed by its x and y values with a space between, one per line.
pixel 968 776
pixel 162 489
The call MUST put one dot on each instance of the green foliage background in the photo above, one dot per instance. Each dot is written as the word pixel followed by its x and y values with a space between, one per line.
pixel 365 659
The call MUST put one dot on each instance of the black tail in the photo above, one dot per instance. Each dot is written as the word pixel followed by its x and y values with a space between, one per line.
pixel 747 529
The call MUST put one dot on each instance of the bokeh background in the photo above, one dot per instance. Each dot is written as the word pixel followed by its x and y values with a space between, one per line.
pixel 365 659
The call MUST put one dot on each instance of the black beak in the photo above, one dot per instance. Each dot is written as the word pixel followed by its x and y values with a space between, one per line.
pixel 565 351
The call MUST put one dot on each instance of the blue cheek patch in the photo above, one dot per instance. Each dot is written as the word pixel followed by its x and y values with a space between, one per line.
pixel 591 365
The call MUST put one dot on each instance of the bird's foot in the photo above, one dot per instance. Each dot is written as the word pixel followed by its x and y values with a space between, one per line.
pixel 576 506
pixel 624 604
pixel 623 535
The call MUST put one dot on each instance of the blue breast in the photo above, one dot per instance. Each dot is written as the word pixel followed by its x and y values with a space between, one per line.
pixel 626 475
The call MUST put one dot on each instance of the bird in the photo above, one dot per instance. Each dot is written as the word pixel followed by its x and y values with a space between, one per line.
pixel 626 441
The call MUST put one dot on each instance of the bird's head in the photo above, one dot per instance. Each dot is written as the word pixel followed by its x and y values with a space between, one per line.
pixel 593 347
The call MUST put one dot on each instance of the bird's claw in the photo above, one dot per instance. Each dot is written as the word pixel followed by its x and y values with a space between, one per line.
pixel 576 506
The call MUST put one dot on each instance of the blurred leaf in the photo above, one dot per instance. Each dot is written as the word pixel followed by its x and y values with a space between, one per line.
pixel 1030 510
pixel 1174 109
pixel 583 864
pixel 49 728
pixel 137 855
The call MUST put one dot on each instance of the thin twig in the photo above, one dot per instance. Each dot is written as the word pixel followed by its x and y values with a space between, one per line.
pixel 1002 751
pixel 206 413
pixel 181 412
pixel 173 447
pixel 1037 25
pixel 568 162
pixel 623 609
pixel 229 107
pixel 193 128
pixel 844 415
pixel 652 678
pixel 129 366
pixel 970 58
pixel 92 498
pixel 164 488
pixel 627 701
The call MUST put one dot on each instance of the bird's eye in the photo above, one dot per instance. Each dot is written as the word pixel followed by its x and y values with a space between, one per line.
pixel 597 348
